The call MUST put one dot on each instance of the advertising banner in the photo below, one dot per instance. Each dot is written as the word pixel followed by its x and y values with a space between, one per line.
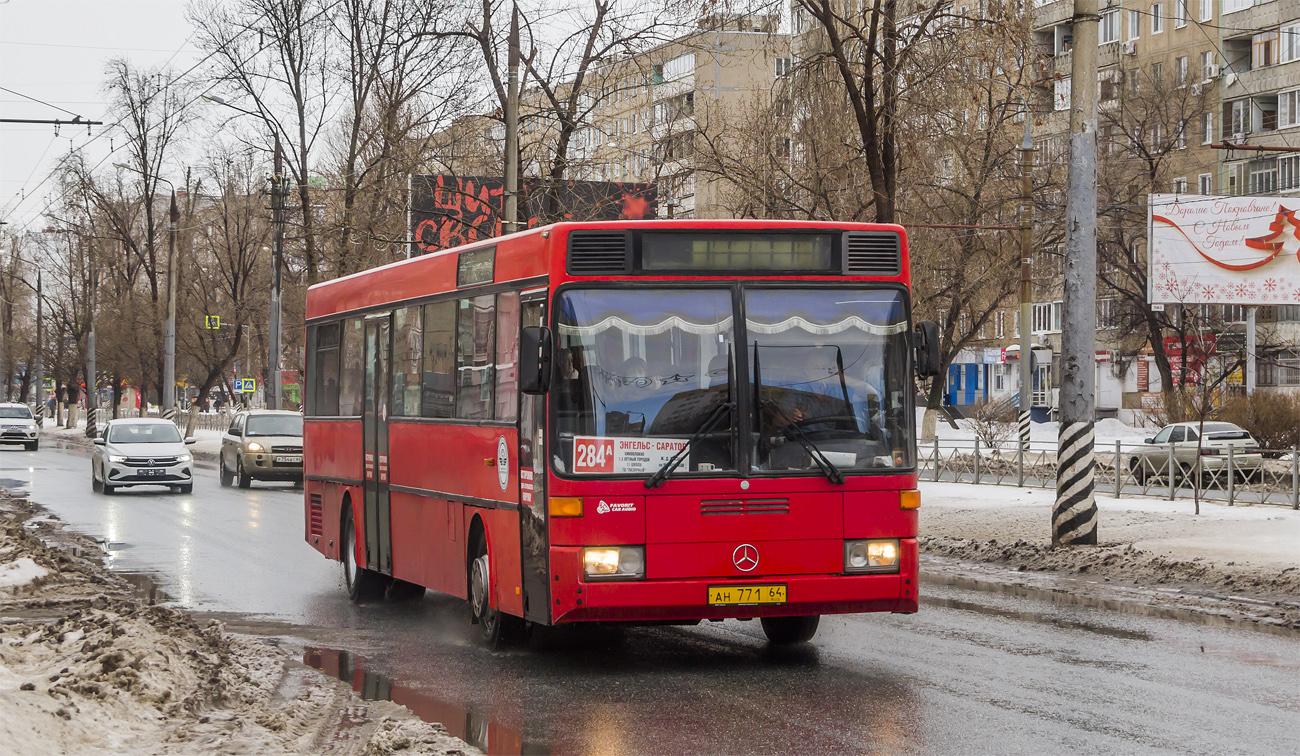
pixel 447 211
pixel 1223 250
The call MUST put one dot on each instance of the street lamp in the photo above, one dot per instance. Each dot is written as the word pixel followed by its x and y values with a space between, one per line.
pixel 277 222
pixel 669 202
pixel 169 340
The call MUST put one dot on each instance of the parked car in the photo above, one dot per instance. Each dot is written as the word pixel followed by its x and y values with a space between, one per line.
pixel 262 445
pixel 18 426
pixel 141 452
pixel 1185 440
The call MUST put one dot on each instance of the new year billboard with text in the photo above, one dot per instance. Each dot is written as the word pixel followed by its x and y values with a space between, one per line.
pixel 447 211
pixel 1223 250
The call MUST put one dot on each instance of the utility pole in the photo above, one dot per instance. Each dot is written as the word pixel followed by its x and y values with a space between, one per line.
pixel 169 340
pixel 92 383
pixel 40 347
pixel 1026 279
pixel 1074 517
pixel 277 219
pixel 510 218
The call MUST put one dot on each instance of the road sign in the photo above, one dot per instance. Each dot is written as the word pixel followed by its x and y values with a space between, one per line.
pixel 249 385
pixel 211 322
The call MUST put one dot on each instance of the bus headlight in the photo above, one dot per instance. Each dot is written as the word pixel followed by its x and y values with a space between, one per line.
pixel 875 555
pixel 614 562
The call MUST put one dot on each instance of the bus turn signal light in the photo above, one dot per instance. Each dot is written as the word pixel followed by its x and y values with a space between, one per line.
pixel 566 506
pixel 909 499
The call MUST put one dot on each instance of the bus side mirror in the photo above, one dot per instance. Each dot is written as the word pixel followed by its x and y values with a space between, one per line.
pixel 535 360
pixel 926 343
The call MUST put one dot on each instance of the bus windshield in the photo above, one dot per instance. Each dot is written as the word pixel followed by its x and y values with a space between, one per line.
pixel 828 373
pixel 638 373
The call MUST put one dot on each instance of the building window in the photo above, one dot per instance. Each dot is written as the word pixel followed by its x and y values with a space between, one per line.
pixel 1207 129
pixel 1046 317
pixel 1108 30
pixel 1205 183
pixel 1180 137
pixel 1289 44
pixel 1108 313
pixel 1180 13
pixel 1239 117
pixel 1208 71
pixel 1288 109
pixel 1157 136
pixel 1288 172
pixel 1207 10
pixel 1232 6
pixel 1133 77
pixel 1264 49
pixel 1180 185
pixel 1134 24
pixel 1157 73
pixel 1000 324
pixel 1263 176
pixel 1180 70
pixel 782 66
pixel 1157 18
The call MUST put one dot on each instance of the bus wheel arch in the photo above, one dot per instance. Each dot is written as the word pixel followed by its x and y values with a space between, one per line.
pixel 497 629
pixel 362 584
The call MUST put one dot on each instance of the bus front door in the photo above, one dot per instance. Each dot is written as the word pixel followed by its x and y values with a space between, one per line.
pixel 379 539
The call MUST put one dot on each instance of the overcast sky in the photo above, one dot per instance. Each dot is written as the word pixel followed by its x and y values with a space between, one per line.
pixel 55 51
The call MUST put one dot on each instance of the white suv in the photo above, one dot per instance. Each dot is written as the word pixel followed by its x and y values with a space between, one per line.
pixel 144 452
pixel 18 426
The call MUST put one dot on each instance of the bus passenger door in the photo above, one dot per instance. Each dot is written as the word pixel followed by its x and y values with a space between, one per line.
pixel 379 541
pixel 535 549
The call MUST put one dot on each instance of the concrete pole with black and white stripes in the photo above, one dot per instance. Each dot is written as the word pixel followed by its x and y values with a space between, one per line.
pixel 1074 517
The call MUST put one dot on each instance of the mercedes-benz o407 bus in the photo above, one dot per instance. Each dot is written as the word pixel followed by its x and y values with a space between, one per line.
pixel 633 422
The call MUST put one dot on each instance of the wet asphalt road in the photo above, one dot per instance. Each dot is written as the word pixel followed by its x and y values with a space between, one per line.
pixel 972 673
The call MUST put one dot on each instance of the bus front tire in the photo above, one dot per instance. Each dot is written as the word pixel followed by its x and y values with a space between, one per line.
pixel 362 584
pixel 497 628
pixel 782 631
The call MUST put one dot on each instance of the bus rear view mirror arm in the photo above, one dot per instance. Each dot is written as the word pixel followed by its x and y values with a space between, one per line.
pixel 926 342
pixel 535 360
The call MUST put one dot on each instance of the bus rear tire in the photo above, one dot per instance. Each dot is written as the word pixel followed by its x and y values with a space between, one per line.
pixel 362 584
pixel 782 631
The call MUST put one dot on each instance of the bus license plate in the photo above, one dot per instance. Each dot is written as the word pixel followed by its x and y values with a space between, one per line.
pixel 152 472
pixel 745 595
pixel 290 460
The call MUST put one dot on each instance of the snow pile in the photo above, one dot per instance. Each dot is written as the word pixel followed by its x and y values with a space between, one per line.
pixel 86 668
pixel 20 572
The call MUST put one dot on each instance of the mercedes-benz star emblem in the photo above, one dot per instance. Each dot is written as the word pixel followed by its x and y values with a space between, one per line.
pixel 745 557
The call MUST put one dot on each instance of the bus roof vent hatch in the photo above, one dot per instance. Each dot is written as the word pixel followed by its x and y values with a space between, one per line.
pixel 600 253
pixel 872 253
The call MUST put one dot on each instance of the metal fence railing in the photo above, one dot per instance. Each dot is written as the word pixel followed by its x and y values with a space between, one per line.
pixel 1123 468
pixel 204 420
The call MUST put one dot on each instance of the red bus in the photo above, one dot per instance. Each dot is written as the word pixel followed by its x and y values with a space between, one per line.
pixel 635 422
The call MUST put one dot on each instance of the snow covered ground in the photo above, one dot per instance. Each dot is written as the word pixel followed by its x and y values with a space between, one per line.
pixel 1107 431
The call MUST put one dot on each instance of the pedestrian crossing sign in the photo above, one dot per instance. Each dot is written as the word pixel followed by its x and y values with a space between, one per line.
pixel 211 322
pixel 245 385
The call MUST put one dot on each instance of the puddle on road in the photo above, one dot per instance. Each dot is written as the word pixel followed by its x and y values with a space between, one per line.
pixel 146 586
pixel 468 724
pixel 17 486
pixel 970 606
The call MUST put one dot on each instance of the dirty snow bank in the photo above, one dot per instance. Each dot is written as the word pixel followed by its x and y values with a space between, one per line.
pixel 85 668
pixel 1248 555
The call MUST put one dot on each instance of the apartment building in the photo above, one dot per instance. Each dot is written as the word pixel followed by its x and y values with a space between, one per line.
pixel 641 116
pixel 651 110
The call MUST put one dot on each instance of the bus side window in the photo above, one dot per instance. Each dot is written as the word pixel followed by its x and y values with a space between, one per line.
pixel 438 387
pixel 326 383
pixel 507 359
pixel 475 351
pixel 352 371
pixel 407 346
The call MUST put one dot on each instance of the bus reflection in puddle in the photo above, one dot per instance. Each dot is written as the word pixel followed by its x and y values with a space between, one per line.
pixel 473 727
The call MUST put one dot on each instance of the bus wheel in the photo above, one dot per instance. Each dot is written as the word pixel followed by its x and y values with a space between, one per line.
pixel 498 630
pixel 782 631
pixel 362 584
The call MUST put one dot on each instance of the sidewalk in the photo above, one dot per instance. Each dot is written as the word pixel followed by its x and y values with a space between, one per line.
pixel 1248 554
pixel 206 448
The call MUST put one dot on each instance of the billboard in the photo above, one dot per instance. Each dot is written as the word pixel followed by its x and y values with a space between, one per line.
pixel 1206 249
pixel 447 211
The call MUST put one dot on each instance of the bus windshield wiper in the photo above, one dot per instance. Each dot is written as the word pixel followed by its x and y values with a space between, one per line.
pixel 828 468
pixel 719 412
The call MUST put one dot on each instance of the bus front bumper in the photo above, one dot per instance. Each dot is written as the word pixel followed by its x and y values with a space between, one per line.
pixel 574 599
